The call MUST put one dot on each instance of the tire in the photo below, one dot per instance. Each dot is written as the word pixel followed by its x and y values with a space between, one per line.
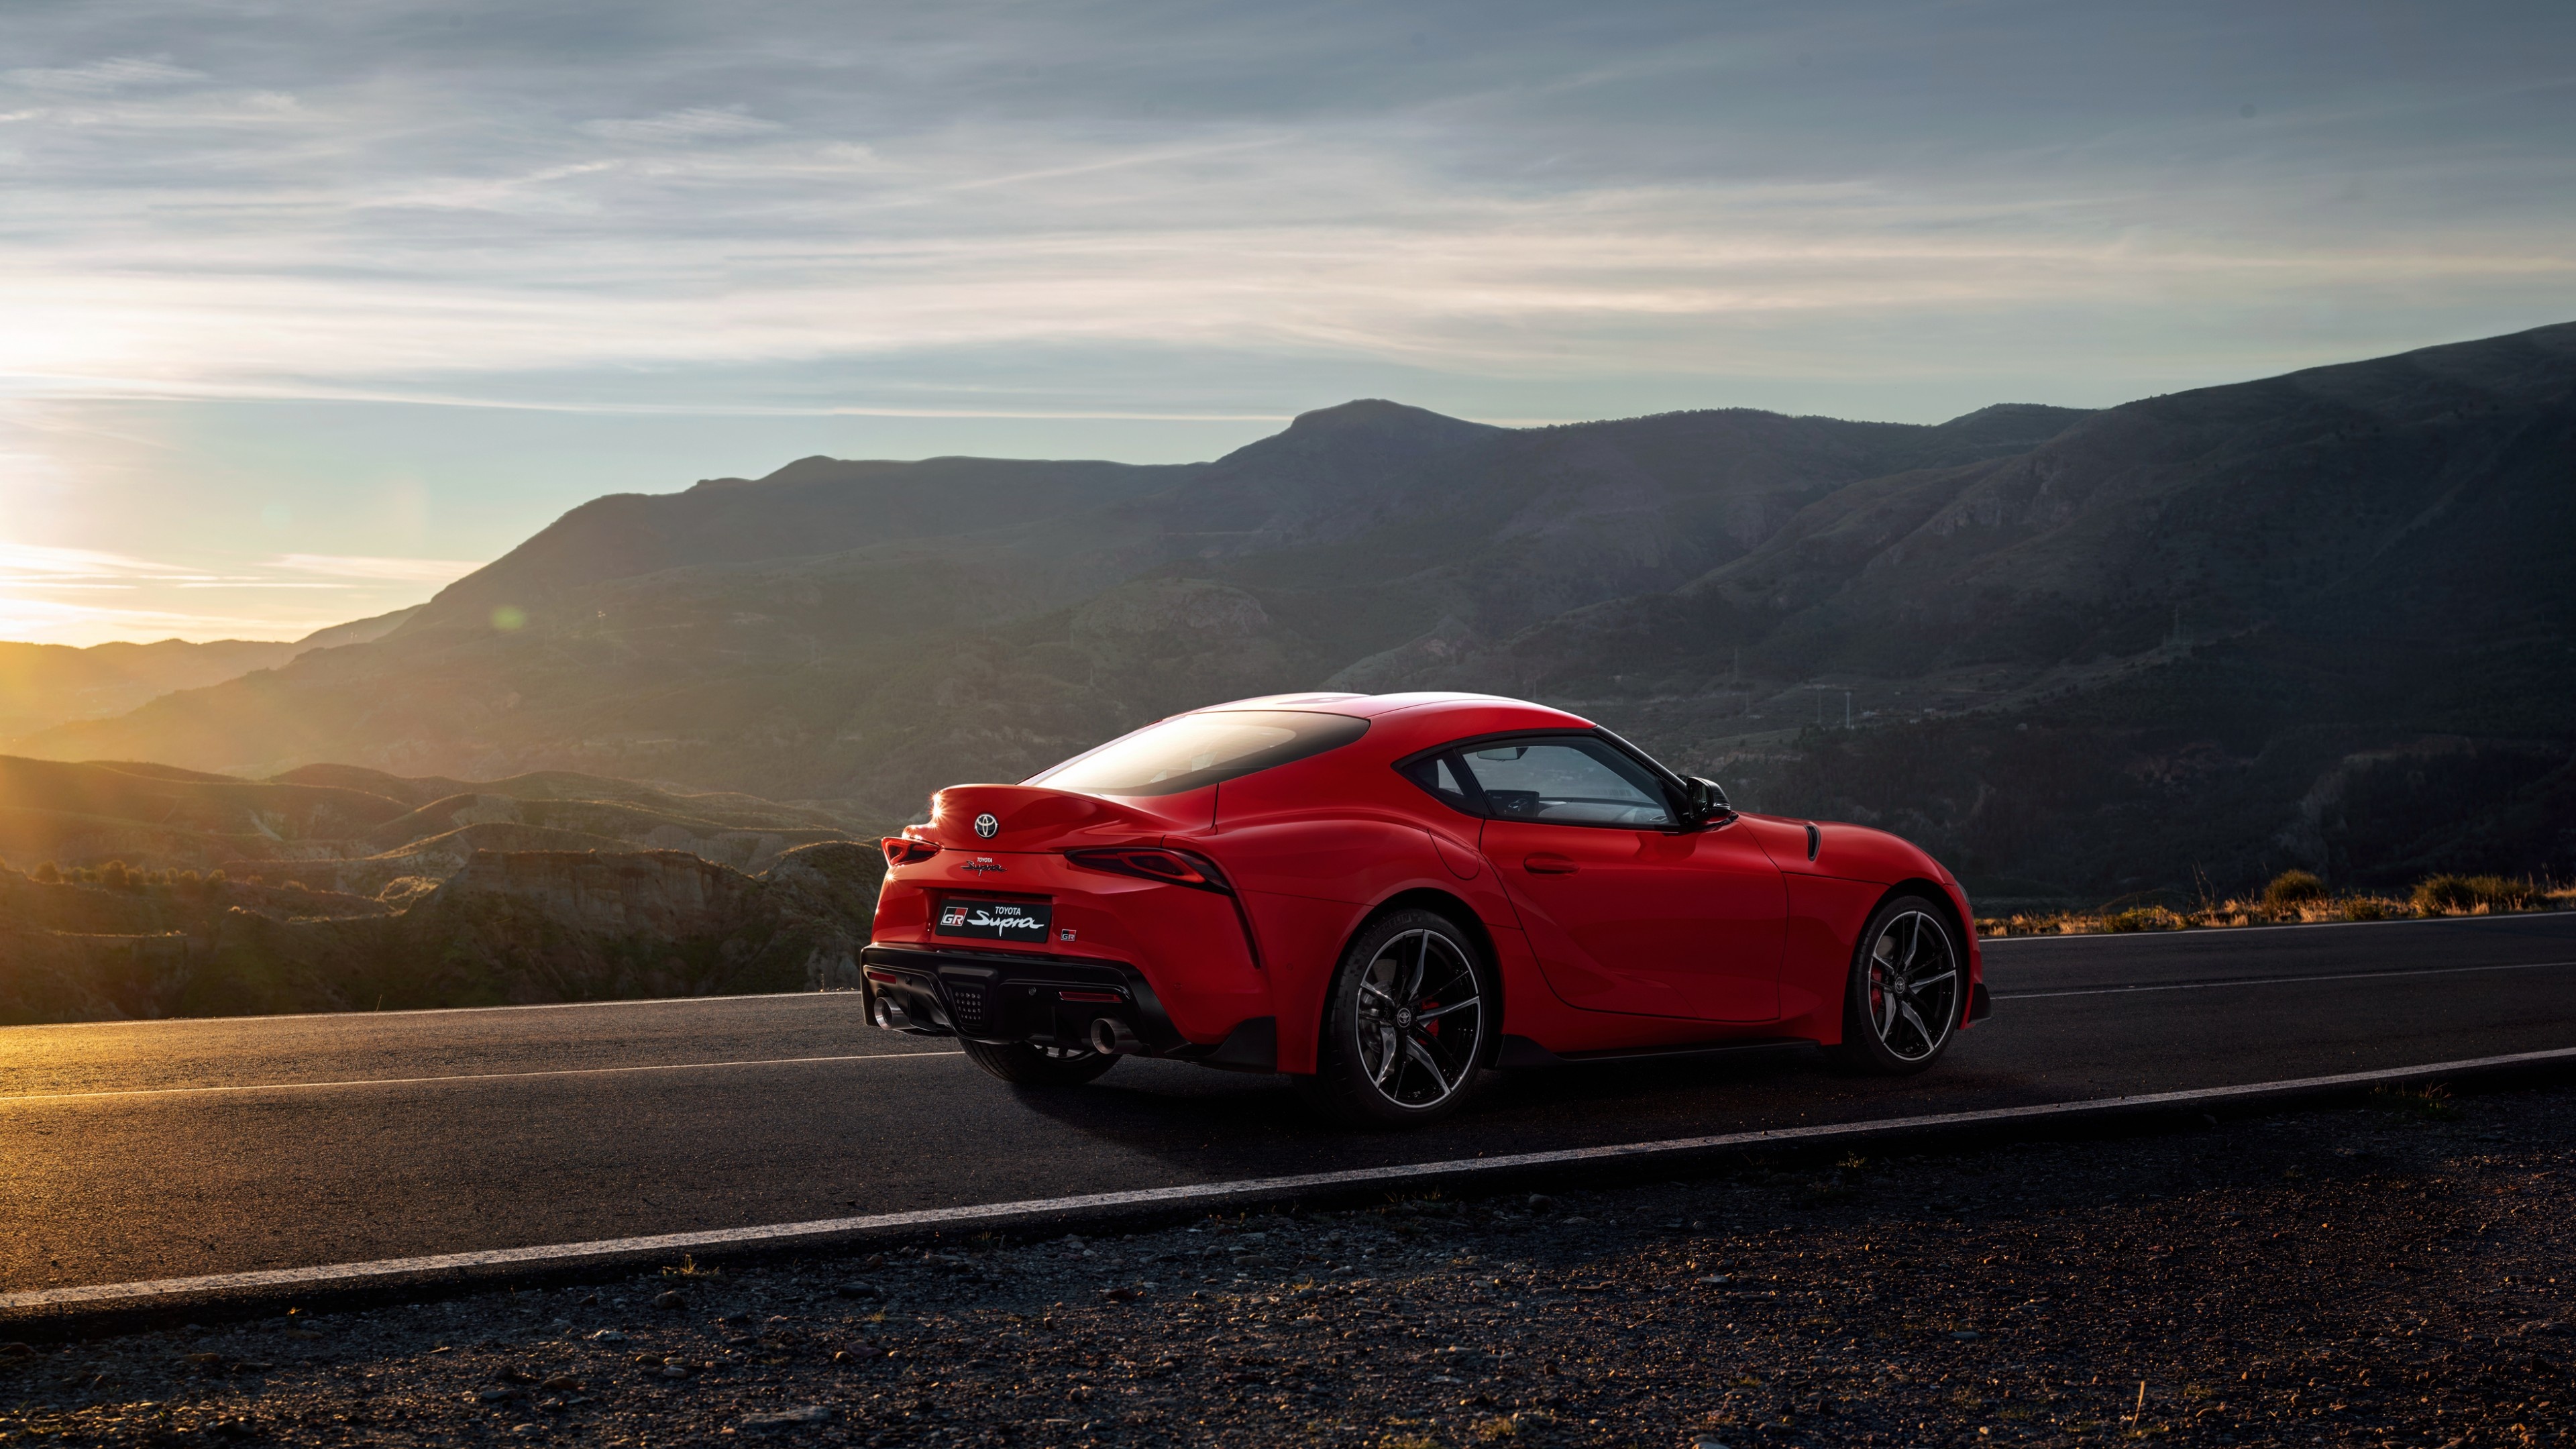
pixel 1400 1046
pixel 1025 1065
pixel 1902 1004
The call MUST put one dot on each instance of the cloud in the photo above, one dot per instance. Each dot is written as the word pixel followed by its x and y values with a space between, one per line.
pixel 99 76
pixel 650 192
pixel 52 621
pixel 46 566
pixel 376 570
pixel 698 124
pixel 1093 210
pixel 52 567
pixel 61 594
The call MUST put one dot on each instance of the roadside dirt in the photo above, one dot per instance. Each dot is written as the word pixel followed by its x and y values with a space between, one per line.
pixel 2398 1272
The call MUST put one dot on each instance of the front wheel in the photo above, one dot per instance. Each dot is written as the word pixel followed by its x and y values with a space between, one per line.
pixel 1908 979
pixel 1408 1024
pixel 1026 1065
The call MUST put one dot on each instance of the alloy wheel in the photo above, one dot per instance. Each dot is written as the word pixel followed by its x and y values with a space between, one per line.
pixel 1913 985
pixel 1421 1019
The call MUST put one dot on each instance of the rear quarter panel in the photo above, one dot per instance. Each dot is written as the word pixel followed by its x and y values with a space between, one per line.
pixel 1314 854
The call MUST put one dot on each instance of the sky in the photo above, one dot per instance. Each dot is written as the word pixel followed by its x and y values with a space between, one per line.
pixel 308 309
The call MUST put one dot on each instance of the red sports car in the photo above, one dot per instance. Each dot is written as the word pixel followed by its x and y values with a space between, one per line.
pixel 1384 895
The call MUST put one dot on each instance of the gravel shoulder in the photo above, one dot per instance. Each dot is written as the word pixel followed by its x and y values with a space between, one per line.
pixel 2393 1272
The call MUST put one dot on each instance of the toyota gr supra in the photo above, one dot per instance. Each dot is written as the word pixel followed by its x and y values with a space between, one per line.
pixel 1386 895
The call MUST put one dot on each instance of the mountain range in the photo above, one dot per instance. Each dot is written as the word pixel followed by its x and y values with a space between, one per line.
pixel 2324 619
pixel 42 685
pixel 351 830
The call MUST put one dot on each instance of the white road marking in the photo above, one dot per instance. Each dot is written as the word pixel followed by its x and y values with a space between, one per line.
pixel 26 1302
pixel 2273 980
pixel 464 1077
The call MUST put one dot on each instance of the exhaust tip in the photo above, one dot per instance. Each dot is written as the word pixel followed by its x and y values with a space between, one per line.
pixel 1111 1038
pixel 891 1016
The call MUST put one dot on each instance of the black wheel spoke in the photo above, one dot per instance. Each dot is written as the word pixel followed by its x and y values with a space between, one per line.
pixel 1420 1019
pixel 1913 981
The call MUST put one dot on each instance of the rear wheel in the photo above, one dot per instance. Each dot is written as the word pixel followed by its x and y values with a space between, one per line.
pixel 1037 1066
pixel 1908 980
pixel 1408 1024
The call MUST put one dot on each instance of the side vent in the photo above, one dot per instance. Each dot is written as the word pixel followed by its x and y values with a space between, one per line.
pixel 1815 840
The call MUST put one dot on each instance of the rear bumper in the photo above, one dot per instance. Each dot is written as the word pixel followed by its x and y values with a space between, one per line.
pixel 1046 1000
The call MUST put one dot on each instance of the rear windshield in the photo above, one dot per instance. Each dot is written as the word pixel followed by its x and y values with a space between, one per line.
pixel 1191 750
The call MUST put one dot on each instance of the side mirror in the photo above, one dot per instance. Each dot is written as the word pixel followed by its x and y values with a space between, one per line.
pixel 1707 801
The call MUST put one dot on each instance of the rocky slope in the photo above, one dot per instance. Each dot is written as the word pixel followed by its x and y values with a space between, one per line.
pixel 506 927
pixel 2260 589
pixel 349 829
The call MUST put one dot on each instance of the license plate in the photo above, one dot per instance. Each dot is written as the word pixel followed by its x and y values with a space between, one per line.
pixel 993 920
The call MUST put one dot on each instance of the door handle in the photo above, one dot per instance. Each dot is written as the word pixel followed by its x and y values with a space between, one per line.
pixel 1548 865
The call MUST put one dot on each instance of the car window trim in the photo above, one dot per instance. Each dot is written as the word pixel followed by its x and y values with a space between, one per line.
pixel 1474 792
pixel 1676 795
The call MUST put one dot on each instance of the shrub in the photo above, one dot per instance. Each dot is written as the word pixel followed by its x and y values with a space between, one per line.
pixel 2291 887
pixel 2141 918
pixel 2441 894
pixel 2369 908
pixel 185 879
pixel 214 878
pixel 296 885
pixel 2433 1102
pixel 2437 894
pixel 47 872
pixel 114 876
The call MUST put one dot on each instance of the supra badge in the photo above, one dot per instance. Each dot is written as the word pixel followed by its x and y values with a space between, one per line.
pixel 987 827
pixel 994 920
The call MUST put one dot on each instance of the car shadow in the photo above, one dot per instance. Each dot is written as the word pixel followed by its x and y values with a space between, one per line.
pixel 1223 1125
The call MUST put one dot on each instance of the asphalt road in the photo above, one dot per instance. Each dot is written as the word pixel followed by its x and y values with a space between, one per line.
pixel 145 1150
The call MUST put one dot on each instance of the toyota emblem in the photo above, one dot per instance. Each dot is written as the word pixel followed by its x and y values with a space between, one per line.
pixel 987 827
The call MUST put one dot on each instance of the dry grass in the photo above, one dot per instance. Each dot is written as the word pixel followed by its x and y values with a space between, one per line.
pixel 2297 898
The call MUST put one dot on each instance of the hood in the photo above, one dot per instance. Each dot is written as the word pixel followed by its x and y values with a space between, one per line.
pixel 1852 852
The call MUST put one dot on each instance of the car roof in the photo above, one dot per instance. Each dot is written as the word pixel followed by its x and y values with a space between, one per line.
pixel 1423 705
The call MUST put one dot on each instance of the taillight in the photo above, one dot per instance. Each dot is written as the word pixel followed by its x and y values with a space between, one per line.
pixel 901 850
pixel 1173 867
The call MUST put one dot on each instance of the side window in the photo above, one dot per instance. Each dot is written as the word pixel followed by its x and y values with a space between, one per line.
pixel 1437 776
pixel 1569 782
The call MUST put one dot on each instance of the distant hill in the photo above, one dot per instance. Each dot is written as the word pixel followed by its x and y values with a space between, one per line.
pixel 149 890
pixel 2321 619
pixel 515 926
pixel 42 685
pixel 355 831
